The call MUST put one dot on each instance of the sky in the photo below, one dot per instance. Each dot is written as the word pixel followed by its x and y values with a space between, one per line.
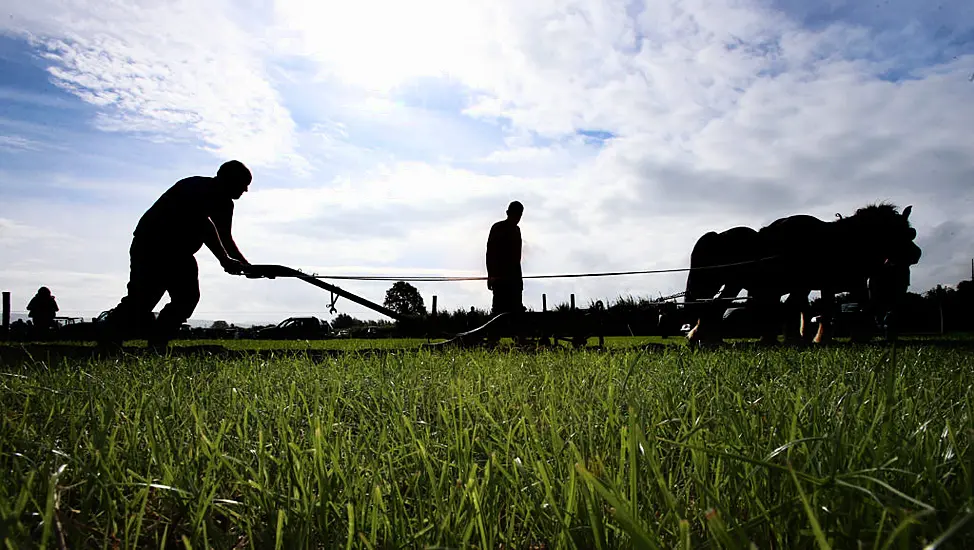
pixel 385 137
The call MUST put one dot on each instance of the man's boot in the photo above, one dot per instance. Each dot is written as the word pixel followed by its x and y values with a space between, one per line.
pixel 158 345
pixel 108 333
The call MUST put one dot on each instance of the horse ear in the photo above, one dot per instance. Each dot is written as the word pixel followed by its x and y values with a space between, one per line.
pixel 906 212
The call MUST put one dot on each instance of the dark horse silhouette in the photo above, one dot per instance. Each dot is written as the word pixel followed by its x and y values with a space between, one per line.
pixel 868 254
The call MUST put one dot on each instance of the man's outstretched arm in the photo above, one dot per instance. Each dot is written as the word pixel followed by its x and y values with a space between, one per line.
pixel 211 238
pixel 223 223
pixel 231 247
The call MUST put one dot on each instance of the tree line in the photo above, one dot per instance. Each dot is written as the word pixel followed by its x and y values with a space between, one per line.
pixel 938 310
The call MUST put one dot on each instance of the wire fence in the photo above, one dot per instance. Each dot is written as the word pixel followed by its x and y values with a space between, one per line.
pixel 443 279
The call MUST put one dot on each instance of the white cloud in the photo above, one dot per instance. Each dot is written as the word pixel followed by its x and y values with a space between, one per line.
pixel 171 70
pixel 18 143
pixel 519 154
pixel 13 233
pixel 378 44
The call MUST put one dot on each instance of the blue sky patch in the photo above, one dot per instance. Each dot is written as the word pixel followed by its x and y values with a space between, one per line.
pixel 595 137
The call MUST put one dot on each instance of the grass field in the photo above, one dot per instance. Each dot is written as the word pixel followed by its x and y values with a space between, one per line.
pixel 844 448
pixel 345 344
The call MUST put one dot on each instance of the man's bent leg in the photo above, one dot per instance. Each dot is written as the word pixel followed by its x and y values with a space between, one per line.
pixel 184 293
pixel 131 317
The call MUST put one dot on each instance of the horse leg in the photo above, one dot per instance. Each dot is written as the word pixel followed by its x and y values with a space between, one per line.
pixel 796 307
pixel 715 251
pixel 825 332
pixel 708 315
pixel 700 327
pixel 804 326
pixel 862 329
pixel 886 291
pixel 706 329
pixel 766 313
pixel 693 337
pixel 721 304
pixel 703 284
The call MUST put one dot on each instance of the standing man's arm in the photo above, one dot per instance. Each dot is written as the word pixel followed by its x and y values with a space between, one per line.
pixel 519 258
pixel 518 248
pixel 491 256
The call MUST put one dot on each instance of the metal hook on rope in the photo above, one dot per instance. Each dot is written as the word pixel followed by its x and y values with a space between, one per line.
pixel 334 297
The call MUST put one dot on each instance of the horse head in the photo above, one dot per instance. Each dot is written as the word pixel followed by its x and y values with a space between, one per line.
pixel 901 248
pixel 895 251
pixel 883 235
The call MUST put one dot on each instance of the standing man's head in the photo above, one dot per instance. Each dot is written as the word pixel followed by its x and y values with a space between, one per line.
pixel 514 211
pixel 234 177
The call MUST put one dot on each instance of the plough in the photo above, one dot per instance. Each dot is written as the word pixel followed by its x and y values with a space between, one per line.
pixel 546 328
pixel 271 271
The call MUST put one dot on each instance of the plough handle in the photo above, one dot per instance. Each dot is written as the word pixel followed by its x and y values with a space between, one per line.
pixel 271 271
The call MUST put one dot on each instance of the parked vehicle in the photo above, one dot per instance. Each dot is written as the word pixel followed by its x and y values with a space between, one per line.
pixel 297 328
pixel 76 328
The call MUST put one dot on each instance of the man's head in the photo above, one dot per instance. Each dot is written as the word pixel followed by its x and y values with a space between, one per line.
pixel 514 211
pixel 235 177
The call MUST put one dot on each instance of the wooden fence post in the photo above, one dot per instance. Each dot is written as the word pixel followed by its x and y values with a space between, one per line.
pixel 432 327
pixel 6 312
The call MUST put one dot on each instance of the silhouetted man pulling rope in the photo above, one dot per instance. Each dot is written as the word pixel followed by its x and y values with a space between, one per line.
pixel 195 211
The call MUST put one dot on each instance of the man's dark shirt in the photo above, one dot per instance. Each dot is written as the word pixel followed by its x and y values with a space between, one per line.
pixel 177 222
pixel 504 253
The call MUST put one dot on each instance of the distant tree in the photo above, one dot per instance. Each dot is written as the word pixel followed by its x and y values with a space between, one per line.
pixel 939 292
pixel 343 321
pixel 965 288
pixel 220 325
pixel 404 298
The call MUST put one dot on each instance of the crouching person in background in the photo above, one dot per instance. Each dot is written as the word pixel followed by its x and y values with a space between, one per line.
pixel 42 309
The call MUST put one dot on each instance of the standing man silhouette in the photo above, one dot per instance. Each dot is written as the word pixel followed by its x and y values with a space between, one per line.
pixel 504 262
pixel 195 211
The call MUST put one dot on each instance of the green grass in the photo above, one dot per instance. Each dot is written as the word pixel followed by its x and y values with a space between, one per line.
pixel 402 343
pixel 840 448
pixel 397 343
pixel 247 344
pixel 347 344
pixel 352 344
